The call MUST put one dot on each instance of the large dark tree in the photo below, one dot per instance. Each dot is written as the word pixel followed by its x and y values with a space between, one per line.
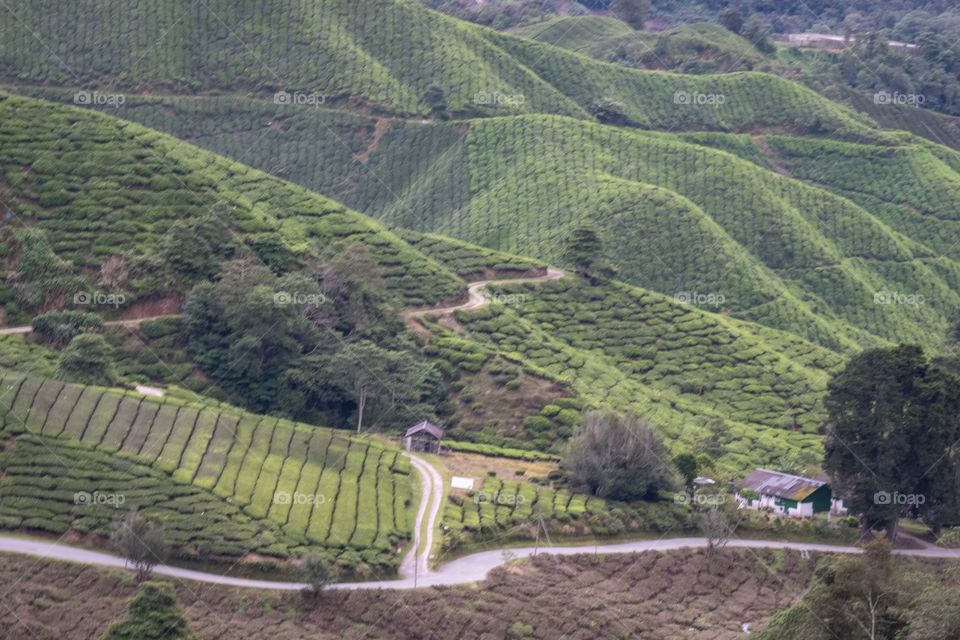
pixel 892 426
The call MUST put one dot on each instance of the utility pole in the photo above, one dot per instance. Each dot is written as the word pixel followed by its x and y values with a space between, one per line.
pixel 536 545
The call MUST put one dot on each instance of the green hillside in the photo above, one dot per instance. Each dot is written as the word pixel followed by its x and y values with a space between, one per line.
pixel 661 356
pixel 577 33
pixel 778 247
pixel 683 368
pixel 99 188
pixel 393 56
pixel 218 477
pixel 689 48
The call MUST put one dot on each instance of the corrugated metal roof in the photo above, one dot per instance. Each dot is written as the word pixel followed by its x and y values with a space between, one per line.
pixel 432 429
pixel 781 485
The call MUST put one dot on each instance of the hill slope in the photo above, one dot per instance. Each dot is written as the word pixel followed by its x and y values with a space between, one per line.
pixel 58 156
pixel 394 55
pixel 779 247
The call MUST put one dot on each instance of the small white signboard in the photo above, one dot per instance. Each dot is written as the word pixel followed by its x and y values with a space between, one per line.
pixel 461 483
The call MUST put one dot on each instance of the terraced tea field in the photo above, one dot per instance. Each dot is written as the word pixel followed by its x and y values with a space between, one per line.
pixel 500 505
pixel 308 486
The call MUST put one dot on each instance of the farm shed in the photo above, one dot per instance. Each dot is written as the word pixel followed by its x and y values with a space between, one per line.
pixel 423 437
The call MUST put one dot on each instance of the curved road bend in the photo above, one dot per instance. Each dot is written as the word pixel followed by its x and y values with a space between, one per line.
pixel 9 331
pixel 465 570
pixel 475 297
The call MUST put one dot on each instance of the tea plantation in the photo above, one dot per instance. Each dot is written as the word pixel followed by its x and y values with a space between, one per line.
pixel 395 56
pixel 781 246
pixel 216 475
pixel 100 188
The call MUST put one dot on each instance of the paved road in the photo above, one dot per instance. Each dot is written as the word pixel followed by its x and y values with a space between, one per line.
pixel 415 565
pixel 465 570
pixel 476 298
pixel 8 331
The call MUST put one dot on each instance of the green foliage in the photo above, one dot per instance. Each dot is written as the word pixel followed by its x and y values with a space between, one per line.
pixel 88 359
pixel 261 484
pixel 40 277
pixel 140 541
pixel 618 457
pixel 290 346
pixel 891 435
pixel 58 328
pixel 153 615
pixel 498 452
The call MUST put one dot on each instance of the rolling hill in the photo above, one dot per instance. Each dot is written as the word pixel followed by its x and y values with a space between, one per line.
pixel 780 245
pixel 394 56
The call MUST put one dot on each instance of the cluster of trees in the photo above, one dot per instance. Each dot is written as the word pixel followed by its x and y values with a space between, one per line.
pixel 871 596
pixel 619 457
pixel 322 344
pixel 872 65
pixel 893 438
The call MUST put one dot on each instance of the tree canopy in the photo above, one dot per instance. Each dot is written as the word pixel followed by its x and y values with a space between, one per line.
pixel 619 457
pixel 891 434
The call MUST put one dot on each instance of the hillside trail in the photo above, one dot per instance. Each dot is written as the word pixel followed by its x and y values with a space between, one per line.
pixel 475 300
pixel 417 562
pixel 475 296
pixel 9 331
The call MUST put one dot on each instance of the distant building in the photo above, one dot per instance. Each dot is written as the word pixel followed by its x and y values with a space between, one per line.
pixel 787 494
pixel 833 41
pixel 424 437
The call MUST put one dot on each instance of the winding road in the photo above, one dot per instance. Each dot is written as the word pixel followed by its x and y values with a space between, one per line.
pixel 136 322
pixel 417 563
pixel 465 570
pixel 475 297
